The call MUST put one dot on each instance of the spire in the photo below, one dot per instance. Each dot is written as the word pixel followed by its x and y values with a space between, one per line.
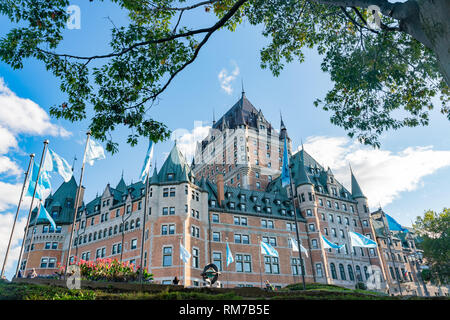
pixel 121 186
pixel 214 117
pixel 282 126
pixel 356 189
pixel 154 179
pixel 303 177
pixel 242 84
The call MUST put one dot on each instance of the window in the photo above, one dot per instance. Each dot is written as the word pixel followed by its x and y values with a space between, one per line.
pixel 271 265
pixel 329 203
pixel 270 240
pixel 195 257
pixel 54 245
pixel 358 273
pixel 309 212
pixel 237 238
pixel 352 210
pixel 325 230
pixel 47 245
pixel 333 232
pixel 342 271
pixel 165 192
pixel 350 272
pixel 164 229
pixel 165 211
pixel 319 271
pixel 365 223
pixel 240 221
pixel 215 217
pixel 44 262
pixel 172 192
pixel 314 243
pixel 296 266
pixel 311 227
pixel 336 205
pixel 331 217
pixel 245 239
pixel 243 263
pixel 172 211
pixel 195 232
pixel 320 202
pixel 342 233
pixel 216 236
pixel 258 185
pixel 339 219
pixel 167 256
pixel 347 222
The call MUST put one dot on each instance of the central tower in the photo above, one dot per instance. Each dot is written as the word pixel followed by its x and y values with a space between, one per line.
pixel 243 146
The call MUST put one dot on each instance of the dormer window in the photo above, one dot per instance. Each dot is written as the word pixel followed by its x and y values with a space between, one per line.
pixel 213 203
pixel 277 202
pixel 232 205
pixel 283 212
pixel 170 176
pixel 269 210
pixel 243 206
pixel 258 208
pixel 242 197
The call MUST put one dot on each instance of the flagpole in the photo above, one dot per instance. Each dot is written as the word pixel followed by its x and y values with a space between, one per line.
pixel 31 208
pixel 351 254
pixel 390 251
pixel 302 268
pixel 260 264
pixel 226 260
pixel 77 199
pixel 32 238
pixel 143 224
pixel 17 214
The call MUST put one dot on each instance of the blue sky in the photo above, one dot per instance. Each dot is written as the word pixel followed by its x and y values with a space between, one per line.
pixel 408 175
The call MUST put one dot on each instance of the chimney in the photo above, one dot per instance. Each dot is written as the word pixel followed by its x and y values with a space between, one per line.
pixel 220 189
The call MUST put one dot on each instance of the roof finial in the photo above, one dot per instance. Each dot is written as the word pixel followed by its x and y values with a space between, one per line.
pixel 73 164
pixel 122 173
pixel 242 83
pixel 214 117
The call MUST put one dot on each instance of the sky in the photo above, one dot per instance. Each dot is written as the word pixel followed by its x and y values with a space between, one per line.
pixel 408 175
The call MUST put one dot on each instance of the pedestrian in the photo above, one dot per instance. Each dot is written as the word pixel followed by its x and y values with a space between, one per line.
pixel 175 281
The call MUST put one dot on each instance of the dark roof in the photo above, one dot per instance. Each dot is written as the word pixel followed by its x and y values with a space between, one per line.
pixel 60 205
pixel 356 189
pixel 242 113
pixel 175 164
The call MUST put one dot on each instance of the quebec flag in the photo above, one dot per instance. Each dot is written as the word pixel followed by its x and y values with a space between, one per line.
pixel 43 188
pixel 267 249
pixel 358 240
pixel 295 246
pixel 53 162
pixel 394 225
pixel 44 215
pixel 94 152
pixel 184 254
pixel 148 159
pixel 285 177
pixel 327 244
pixel 229 255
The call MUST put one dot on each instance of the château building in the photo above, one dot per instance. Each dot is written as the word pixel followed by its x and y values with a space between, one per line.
pixel 231 193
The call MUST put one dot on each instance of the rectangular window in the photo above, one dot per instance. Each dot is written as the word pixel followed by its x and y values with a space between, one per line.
pixel 195 258
pixel 165 192
pixel 172 192
pixel 216 236
pixel 215 218
pixel 44 262
pixel 172 211
pixel 167 256
pixel 165 211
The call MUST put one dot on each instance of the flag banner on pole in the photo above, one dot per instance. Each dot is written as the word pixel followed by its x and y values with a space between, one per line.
pixel 184 254
pixel 295 247
pixel 55 163
pixel 94 152
pixel 285 177
pixel 229 255
pixel 267 249
pixel 327 244
pixel 394 225
pixel 148 159
pixel 44 215
pixel 358 240
pixel 44 187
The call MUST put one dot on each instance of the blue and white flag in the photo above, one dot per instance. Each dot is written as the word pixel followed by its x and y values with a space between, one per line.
pixel 358 240
pixel 327 244
pixel 148 159
pixel 44 187
pixel 229 255
pixel 285 177
pixel 54 163
pixel 394 225
pixel 94 152
pixel 295 246
pixel 44 215
pixel 184 254
pixel 267 249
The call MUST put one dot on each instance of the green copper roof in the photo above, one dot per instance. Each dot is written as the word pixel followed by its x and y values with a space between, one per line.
pixel 60 205
pixel 356 189
pixel 121 186
pixel 154 179
pixel 299 174
pixel 175 168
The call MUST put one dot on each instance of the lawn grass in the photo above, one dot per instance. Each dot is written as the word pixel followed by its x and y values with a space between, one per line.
pixel 314 291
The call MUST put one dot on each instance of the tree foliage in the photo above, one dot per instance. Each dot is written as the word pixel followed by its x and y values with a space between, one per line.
pixel 383 79
pixel 434 230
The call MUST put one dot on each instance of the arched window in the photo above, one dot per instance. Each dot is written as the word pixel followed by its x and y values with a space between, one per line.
pixel 358 273
pixel 333 271
pixel 95 235
pixel 366 274
pixel 110 231
pixel 99 235
pixel 350 273
pixel 115 229
pixel 342 271
pixel 132 225
pixel 126 226
pixel 105 233
pixel 121 227
pixel 138 223
pixel 90 237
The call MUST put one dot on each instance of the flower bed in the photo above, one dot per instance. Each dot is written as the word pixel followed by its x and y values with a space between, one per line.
pixel 109 270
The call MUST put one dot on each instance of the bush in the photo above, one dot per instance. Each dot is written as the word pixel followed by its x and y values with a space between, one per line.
pixel 110 270
pixel 361 286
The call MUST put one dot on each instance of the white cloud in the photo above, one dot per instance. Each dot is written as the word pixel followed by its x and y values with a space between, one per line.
pixel 9 195
pixel 7 140
pixel 22 115
pixel 6 222
pixel 382 174
pixel 187 140
pixel 9 167
pixel 226 79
